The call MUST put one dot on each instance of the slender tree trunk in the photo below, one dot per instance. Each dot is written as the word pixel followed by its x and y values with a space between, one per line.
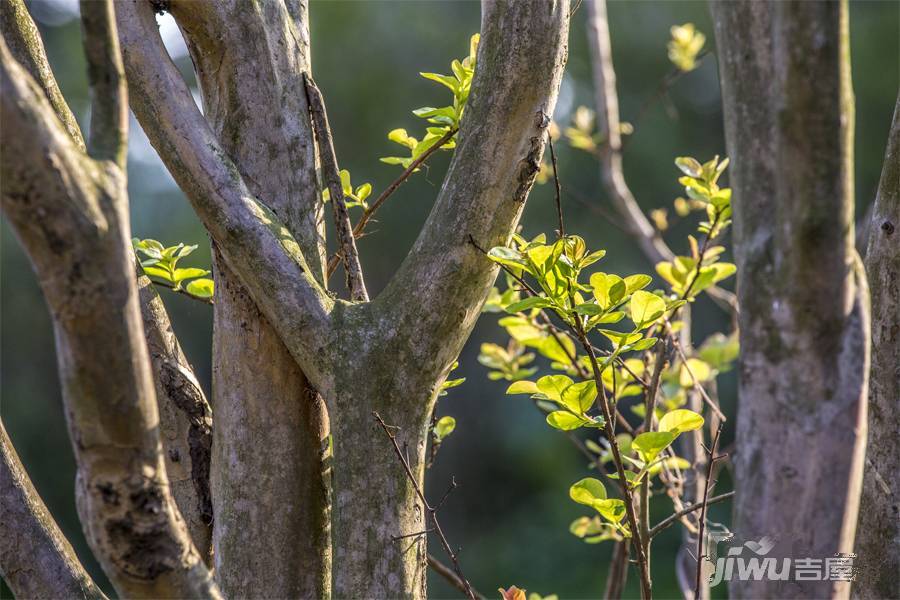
pixel 878 532
pixel 801 426
pixel 271 500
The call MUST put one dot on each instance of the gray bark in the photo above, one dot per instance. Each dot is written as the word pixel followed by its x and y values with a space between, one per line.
pixel 804 326
pixel 185 419
pixel 36 559
pixel 80 249
pixel 878 531
pixel 249 64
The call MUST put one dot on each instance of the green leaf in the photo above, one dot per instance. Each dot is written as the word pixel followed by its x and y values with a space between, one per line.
pixel 643 344
pixel 444 427
pixel 611 509
pixel 565 421
pixel 507 256
pixel 588 309
pixel 608 289
pixel 587 491
pixel 646 307
pixel 158 273
pixel 553 386
pixel 202 288
pixel 523 387
pixel 680 420
pixel 182 274
pixel 689 166
pixel 579 397
pixel 634 283
pixel 651 443
pixel 447 80
pixel 699 369
pixel 528 303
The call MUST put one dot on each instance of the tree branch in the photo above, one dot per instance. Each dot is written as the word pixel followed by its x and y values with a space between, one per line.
pixel 520 62
pixel 606 100
pixel 254 243
pixel 24 41
pixel 185 419
pixel 106 76
pixel 81 251
pixel 331 174
pixel 878 531
pixel 36 559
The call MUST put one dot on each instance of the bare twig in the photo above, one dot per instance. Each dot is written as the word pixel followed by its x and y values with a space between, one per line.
pixel 650 410
pixel 431 510
pixel 367 215
pixel 704 503
pixel 697 386
pixel 618 572
pixel 620 468
pixel 331 174
pixel 671 519
pixel 608 125
pixel 559 213
pixel 448 574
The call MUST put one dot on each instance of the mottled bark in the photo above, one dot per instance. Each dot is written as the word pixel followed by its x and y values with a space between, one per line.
pixel 80 250
pixel 185 419
pixel 36 560
pixel 878 531
pixel 393 353
pixel 271 532
pixel 804 325
pixel 180 430
pixel 24 42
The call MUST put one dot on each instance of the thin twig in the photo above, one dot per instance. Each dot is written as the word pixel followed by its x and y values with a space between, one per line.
pixel 671 519
pixel 620 468
pixel 367 215
pixel 697 386
pixel 432 511
pixel 448 574
pixel 712 458
pixel 650 410
pixel 608 125
pixel 559 213
pixel 331 174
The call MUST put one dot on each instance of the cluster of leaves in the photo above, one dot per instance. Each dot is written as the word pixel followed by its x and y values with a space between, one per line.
pixel 161 265
pixel 582 133
pixel 444 119
pixel 690 275
pixel 352 196
pixel 590 303
pixel 685 46
pixel 645 455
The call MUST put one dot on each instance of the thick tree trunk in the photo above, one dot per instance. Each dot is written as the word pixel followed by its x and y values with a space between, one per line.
pixel 804 362
pixel 878 532
pixel 271 499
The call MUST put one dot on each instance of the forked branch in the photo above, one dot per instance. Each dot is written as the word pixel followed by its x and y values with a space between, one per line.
pixel 254 243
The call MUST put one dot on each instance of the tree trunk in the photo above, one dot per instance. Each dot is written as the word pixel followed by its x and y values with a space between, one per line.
pixel 878 532
pixel 801 425
pixel 271 500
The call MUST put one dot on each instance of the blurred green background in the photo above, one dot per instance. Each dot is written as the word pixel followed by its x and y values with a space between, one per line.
pixel 510 514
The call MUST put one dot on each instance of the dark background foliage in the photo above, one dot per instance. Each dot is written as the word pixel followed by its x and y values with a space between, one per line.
pixel 511 512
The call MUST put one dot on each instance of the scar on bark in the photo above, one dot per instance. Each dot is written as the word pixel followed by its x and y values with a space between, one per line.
pixel 531 164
